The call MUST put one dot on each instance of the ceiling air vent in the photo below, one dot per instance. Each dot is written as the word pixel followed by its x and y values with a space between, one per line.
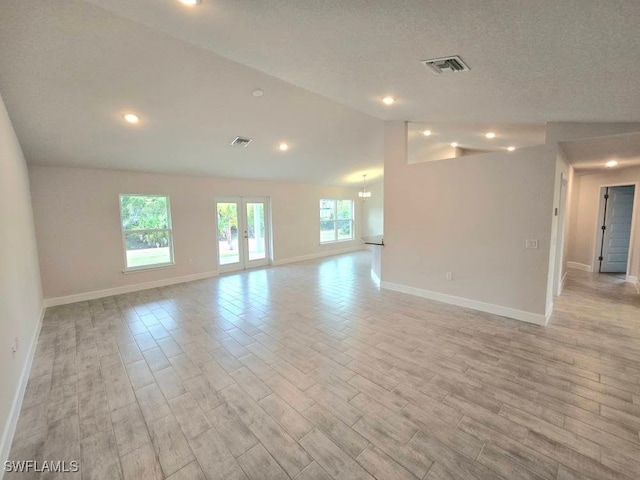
pixel 446 64
pixel 241 142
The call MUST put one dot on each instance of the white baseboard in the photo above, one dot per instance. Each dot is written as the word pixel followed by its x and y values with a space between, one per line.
pixel 638 287
pixel 328 253
pixel 16 406
pixel 580 266
pixel 632 279
pixel 109 292
pixel 529 317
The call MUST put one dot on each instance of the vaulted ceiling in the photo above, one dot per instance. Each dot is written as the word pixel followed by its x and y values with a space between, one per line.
pixel 531 61
pixel 70 68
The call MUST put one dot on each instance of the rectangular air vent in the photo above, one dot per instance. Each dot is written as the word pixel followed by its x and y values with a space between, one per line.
pixel 446 64
pixel 241 142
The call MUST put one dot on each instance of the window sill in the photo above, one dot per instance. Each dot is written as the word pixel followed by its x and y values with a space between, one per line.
pixel 161 266
pixel 337 241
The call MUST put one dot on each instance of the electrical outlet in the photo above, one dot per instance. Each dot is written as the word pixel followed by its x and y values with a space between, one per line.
pixel 449 276
pixel 531 243
pixel 190 261
pixel 17 343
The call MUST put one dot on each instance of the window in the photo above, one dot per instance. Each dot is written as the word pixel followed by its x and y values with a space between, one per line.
pixel 336 220
pixel 146 231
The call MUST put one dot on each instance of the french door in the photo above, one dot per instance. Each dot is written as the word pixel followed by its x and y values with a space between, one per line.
pixel 243 232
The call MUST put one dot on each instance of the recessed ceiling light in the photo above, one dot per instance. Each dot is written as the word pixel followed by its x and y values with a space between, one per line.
pixel 490 135
pixel 190 3
pixel 454 144
pixel 427 133
pixel 511 149
pixel 283 146
pixel 611 163
pixel 131 118
pixel 257 92
pixel 388 100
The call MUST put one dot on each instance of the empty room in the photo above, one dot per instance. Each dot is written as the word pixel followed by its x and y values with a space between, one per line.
pixel 320 239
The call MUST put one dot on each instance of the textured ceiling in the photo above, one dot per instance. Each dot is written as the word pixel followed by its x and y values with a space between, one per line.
pixel 70 70
pixel 590 155
pixel 531 61
pixel 71 67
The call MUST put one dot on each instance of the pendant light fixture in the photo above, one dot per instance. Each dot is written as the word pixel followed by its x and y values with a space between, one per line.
pixel 363 193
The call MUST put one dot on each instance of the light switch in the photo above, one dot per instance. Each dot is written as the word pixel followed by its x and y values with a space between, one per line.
pixel 531 243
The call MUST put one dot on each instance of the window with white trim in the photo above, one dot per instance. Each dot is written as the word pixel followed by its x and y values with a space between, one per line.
pixel 146 231
pixel 336 220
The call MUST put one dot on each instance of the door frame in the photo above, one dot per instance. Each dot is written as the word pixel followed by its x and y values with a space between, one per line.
pixel 563 199
pixel 243 242
pixel 600 217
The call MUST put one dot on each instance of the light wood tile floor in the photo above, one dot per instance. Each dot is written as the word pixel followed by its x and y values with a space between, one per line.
pixel 308 371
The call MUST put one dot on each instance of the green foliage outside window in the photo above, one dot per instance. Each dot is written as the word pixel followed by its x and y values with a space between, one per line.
pixel 336 220
pixel 227 223
pixel 141 213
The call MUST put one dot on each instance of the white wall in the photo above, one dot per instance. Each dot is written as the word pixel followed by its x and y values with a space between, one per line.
pixel 470 216
pixel 570 172
pixel 78 224
pixel 559 227
pixel 20 292
pixel 584 211
pixel 373 211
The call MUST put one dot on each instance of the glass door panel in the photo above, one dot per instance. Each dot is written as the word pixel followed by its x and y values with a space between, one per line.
pixel 228 228
pixel 243 232
pixel 257 241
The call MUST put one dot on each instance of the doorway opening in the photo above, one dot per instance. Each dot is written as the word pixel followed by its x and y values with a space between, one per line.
pixel 243 232
pixel 615 230
pixel 561 215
